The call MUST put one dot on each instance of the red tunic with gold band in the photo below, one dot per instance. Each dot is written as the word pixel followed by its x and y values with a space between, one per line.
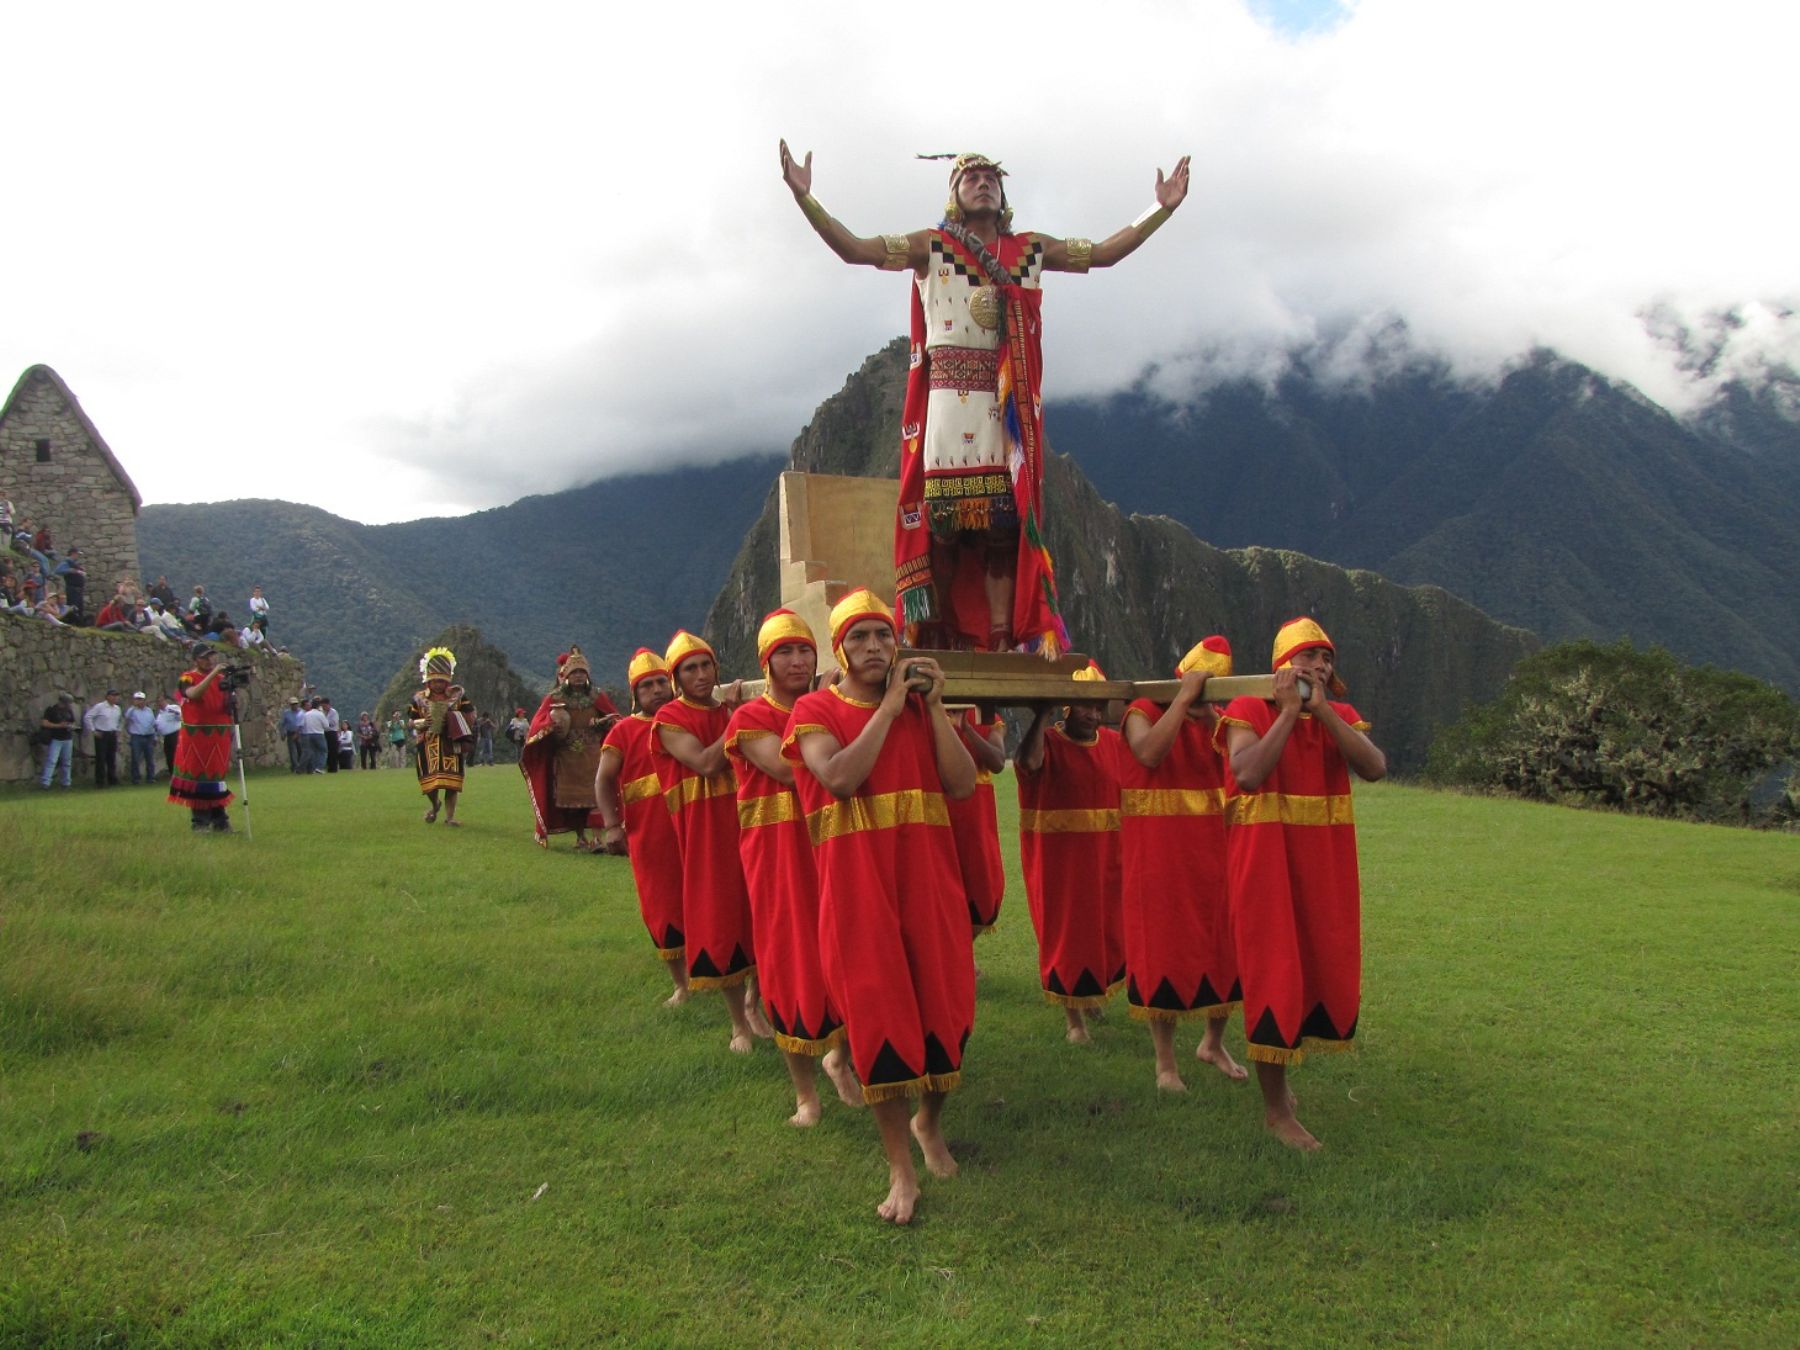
pixel 784 889
pixel 893 927
pixel 721 946
pixel 649 834
pixel 1296 901
pixel 1069 852
pixel 975 821
pixel 1179 957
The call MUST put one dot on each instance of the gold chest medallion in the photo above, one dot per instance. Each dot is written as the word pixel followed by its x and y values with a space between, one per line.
pixel 984 307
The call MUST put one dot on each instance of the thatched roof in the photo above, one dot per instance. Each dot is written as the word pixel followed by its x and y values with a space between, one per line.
pixel 93 433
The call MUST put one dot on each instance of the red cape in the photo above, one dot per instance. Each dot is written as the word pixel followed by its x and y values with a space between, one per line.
pixel 537 761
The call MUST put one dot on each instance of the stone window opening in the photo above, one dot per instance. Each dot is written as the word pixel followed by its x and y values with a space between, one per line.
pixel 43 450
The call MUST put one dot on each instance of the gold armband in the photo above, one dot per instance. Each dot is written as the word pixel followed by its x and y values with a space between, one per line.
pixel 1081 253
pixel 899 252
pixel 1150 222
pixel 818 215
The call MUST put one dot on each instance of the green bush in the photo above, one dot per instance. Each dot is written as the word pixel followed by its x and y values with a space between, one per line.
pixel 1587 724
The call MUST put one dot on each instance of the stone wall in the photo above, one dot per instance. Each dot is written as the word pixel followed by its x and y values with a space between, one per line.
pixel 79 491
pixel 39 660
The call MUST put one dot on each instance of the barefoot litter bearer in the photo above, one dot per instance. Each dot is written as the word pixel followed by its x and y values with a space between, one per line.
pixel 636 817
pixel 778 869
pixel 877 759
pixel 1296 902
pixel 688 749
pixel 1179 958
pixel 1068 780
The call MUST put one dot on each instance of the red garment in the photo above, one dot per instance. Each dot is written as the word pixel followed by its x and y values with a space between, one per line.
pixel 893 926
pixel 784 890
pixel 1179 957
pixel 110 612
pixel 649 834
pixel 203 749
pixel 537 762
pixel 1296 902
pixel 1037 616
pixel 1070 853
pixel 975 821
pixel 721 946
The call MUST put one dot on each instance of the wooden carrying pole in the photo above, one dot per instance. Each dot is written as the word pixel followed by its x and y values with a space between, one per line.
pixel 1011 679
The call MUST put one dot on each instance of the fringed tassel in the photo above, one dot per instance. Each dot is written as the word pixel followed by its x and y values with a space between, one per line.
pixel 1085 1002
pixel 1140 1013
pixel 796 1045
pixel 931 1082
pixel 736 977
pixel 916 605
pixel 671 953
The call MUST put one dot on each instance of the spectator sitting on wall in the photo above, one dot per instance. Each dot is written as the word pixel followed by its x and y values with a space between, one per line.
pixel 112 618
pixel 164 592
pixel 253 636
pixel 12 594
pixel 197 611
pixel 51 607
pixel 74 580
pixel 164 624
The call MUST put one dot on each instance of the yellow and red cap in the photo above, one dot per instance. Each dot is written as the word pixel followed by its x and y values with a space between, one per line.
pixel 779 627
pixel 1210 656
pixel 852 609
pixel 683 645
pixel 644 663
pixel 1299 635
pixel 1093 672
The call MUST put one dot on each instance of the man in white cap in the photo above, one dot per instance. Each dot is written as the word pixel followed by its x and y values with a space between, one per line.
pixel 140 730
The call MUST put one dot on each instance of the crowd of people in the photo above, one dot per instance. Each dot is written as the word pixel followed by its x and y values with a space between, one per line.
pixel 321 739
pixel 826 857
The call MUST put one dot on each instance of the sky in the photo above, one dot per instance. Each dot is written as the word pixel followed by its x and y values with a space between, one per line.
pixel 400 260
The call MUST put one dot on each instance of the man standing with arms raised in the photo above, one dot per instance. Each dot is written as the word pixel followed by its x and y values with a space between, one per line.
pixel 878 758
pixel 971 566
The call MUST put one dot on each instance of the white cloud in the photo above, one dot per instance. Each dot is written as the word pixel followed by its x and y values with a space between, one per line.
pixel 405 260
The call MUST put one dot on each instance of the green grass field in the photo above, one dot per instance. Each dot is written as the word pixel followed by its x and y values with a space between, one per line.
pixel 357 1080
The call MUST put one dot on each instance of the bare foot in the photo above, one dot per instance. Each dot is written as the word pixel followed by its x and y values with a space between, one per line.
pixel 742 1043
pixel 806 1114
pixel 902 1197
pixel 937 1153
pixel 431 816
pixel 676 999
pixel 759 1025
pixel 1220 1058
pixel 1078 1035
pixel 1292 1133
pixel 452 820
pixel 843 1077
pixel 978 970
pixel 1170 1081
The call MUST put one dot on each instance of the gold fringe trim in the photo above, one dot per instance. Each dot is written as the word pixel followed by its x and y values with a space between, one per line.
pixel 736 977
pixel 982 929
pixel 796 1046
pixel 1139 1013
pixel 931 1082
pixel 1082 1001
pixel 1309 1045
pixel 670 953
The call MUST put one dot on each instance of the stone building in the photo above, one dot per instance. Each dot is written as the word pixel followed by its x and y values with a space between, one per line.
pixel 58 471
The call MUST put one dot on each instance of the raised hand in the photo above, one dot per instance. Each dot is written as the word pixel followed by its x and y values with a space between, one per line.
pixel 1170 191
pixel 798 175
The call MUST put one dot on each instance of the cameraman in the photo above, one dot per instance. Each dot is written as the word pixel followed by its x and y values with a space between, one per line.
pixel 203 749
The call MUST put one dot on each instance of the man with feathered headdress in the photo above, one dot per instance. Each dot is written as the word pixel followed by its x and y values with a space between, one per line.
pixel 443 728
pixel 971 565
pixel 562 751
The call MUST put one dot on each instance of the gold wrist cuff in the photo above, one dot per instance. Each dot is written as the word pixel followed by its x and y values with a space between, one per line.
pixel 1150 222
pixel 818 215
pixel 1081 253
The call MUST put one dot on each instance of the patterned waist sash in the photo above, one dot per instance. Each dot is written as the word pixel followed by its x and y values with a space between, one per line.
pixel 963 370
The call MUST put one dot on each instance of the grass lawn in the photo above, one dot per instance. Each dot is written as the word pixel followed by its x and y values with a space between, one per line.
pixel 360 1080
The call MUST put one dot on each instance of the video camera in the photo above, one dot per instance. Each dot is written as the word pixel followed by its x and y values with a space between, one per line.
pixel 232 678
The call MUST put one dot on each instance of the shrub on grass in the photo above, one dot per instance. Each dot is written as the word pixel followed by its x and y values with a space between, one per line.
pixel 1588 724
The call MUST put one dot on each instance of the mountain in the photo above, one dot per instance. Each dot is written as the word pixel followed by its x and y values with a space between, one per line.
pixel 611 566
pixel 1139 590
pixel 1556 499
